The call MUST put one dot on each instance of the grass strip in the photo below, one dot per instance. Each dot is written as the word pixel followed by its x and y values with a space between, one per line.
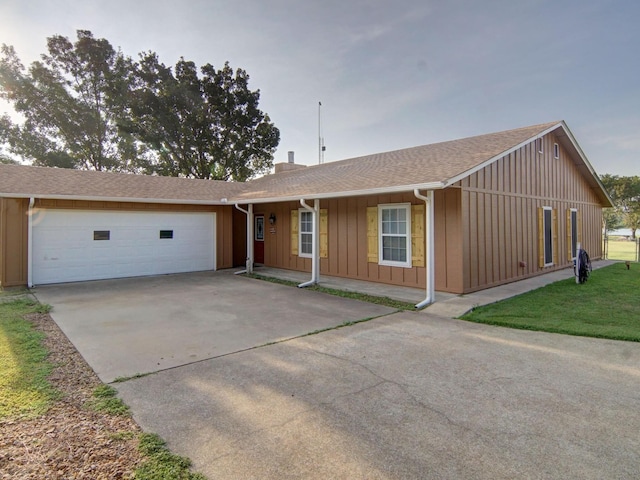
pixel 606 306
pixel 160 463
pixel 24 388
pixel 105 400
pixel 363 297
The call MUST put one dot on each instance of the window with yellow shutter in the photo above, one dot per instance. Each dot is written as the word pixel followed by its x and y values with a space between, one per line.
pixel 302 233
pixel 394 227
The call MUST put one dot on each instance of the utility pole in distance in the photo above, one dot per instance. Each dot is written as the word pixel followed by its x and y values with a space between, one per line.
pixel 321 147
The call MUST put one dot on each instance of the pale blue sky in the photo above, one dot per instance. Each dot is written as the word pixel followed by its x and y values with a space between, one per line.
pixel 390 73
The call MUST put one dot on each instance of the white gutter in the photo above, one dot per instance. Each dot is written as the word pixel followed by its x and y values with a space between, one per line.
pixel 430 270
pixel 349 193
pixel 236 198
pixel 89 198
pixel 315 250
pixel 249 260
pixel 32 201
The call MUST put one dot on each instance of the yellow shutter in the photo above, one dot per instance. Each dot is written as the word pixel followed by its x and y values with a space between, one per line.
pixel 569 239
pixel 324 233
pixel 372 234
pixel 554 216
pixel 540 237
pixel 417 235
pixel 294 232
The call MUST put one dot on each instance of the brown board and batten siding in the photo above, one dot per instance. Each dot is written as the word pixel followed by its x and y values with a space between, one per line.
pixel 346 238
pixel 500 205
pixel 13 241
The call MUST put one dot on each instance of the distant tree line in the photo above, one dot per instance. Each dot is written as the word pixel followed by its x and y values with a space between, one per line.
pixel 88 106
pixel 625 193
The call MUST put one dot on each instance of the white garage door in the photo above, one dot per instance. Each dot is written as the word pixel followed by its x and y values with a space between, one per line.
pixel 71 245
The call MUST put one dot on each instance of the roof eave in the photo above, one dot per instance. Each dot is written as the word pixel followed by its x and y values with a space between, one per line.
pixel 165 201
pixel 343 194
pixel 477 168
pixel 601 191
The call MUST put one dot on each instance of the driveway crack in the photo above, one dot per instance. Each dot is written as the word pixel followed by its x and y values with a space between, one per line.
pixel 405 389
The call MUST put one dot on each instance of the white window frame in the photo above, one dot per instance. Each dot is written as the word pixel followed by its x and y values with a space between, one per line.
pixel 406 235
pixel 544 233
pixel 556 151
pixel 301 213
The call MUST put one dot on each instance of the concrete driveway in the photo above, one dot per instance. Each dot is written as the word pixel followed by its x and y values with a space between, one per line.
pixel 132 326
pixel 407 395
pixel 401 397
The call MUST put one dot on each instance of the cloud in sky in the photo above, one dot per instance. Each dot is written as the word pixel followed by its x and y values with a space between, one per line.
pixel 390 74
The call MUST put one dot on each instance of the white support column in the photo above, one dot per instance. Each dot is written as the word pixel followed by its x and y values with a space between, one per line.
pixel 249 258
pixel 250 239
pixel 316 241
pixel 30 244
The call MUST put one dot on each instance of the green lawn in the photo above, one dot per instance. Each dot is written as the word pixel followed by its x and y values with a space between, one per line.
pixel 24 389
pixel 606 306
pixel 621 249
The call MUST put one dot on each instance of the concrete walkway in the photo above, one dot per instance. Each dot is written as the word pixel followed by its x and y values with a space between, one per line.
pixel 446 304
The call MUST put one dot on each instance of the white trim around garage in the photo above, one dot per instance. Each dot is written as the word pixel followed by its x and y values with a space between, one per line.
pixel 79 245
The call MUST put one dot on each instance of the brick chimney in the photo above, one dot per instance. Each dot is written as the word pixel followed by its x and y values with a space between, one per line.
pixel 290 165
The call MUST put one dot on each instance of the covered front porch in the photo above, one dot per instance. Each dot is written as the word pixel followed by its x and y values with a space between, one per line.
pixel 405 294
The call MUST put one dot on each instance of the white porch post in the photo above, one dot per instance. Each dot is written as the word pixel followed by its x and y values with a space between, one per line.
pixel 30 244
pixel 249 258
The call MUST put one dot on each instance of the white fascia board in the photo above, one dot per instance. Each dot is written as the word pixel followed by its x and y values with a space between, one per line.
pixel 242 201
pixel 479 167
pixel 351 193
pixel 163 201
pixel 586 162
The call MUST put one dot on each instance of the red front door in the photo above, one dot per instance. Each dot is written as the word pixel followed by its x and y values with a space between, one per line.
pixel 258 235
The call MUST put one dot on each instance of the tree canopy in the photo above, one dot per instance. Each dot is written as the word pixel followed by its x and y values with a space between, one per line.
pixel 86 105
pixel 625 193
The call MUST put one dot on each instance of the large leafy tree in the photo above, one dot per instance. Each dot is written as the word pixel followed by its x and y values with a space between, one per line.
pixel 202 124
pixel 64 99
pixel 5 128
pixel 86 105
pixel 625 193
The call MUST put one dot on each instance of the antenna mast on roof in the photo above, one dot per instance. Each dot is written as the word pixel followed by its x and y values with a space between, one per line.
pixel 321 147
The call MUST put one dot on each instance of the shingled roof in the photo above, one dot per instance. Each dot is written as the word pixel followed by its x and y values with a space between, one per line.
pixel 425 167
pixel 26 181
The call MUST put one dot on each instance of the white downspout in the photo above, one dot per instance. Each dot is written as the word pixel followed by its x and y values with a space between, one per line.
pixel 430 270
pixel 315 250
pixel 30 243
pixel 249 260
